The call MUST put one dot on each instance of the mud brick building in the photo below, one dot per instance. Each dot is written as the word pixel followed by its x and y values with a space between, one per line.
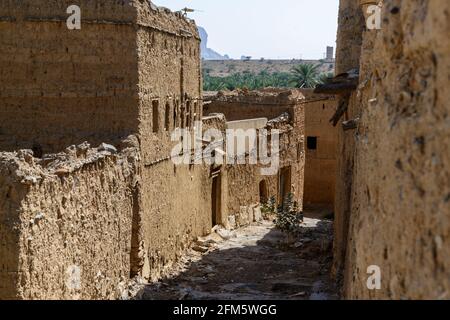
pixel 72 210
pixel 90 196
pixel 268 109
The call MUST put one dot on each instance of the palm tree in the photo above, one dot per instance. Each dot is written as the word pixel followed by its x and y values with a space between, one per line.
pixel 305 75
pixel 325 77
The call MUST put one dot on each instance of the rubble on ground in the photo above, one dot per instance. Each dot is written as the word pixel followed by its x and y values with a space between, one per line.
pixel 250 263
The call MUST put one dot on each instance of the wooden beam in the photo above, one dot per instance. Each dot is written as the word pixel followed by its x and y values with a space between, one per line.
pixel 337 88
pixel 341 109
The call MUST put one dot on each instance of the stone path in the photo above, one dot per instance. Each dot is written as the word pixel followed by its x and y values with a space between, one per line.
pixel 253 263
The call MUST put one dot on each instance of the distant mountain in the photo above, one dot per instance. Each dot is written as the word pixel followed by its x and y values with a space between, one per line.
pixel 207 53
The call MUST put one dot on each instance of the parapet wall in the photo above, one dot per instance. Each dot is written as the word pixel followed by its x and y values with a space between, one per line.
pixel 66 222
pixel 241 105
pixel 101 11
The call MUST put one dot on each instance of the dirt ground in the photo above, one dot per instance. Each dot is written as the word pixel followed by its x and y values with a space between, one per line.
pixel 251 263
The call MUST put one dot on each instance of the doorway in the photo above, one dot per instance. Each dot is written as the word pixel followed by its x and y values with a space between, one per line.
pixel 284 184
pixel 216 196
pixel 263 193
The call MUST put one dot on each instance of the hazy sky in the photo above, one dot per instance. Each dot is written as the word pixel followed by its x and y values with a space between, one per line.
pixel 265 28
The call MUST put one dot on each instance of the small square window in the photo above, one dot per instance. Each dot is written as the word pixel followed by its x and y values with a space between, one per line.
pixel 311 143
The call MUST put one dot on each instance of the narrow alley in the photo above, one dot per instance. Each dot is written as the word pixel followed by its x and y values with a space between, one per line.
pixel 217 150
pixel 253 263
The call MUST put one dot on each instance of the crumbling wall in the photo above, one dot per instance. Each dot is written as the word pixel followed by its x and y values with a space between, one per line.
pixel 66 222
pixel 399 201
pixel 243 197
pixel 11 194
pixel 177 210
pixel 177 207
pixel 244 194
pixel 348 52
pixel 133 68
pixel 60 87
pixel 243 105
pixel 284 111
pixel 176 204
pixel 169 78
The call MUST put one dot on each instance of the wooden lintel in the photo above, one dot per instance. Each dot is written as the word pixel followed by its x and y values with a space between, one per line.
pixel 337 88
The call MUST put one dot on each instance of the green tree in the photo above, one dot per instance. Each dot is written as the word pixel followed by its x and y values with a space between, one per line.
pixel 324 77
pixel 305 75
pixel 288 218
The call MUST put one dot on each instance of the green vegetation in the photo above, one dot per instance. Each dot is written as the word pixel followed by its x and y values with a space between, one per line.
pixel 269 208
pixel 305 75
pixel 247 80
pixel 324 77
pixel 288 217
pixel 301 76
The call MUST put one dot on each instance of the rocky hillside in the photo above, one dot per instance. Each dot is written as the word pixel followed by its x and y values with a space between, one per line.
pixel 207 53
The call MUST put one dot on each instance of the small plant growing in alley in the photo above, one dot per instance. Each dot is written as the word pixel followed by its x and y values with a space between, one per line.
pixel 288 218
pixel 269 208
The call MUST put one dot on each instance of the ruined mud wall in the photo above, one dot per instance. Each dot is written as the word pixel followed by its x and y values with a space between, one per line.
pixel 132 68
pixel 11 193
pixel 60 87
pixel 176 199
pixel 245 180
pixel 320 167
pixel 169 78
pixel 244 183
pixel 400 204
pixel 177 209
pixel 348 52
pixel 243 194
pixel 66 223
pixel 242 105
